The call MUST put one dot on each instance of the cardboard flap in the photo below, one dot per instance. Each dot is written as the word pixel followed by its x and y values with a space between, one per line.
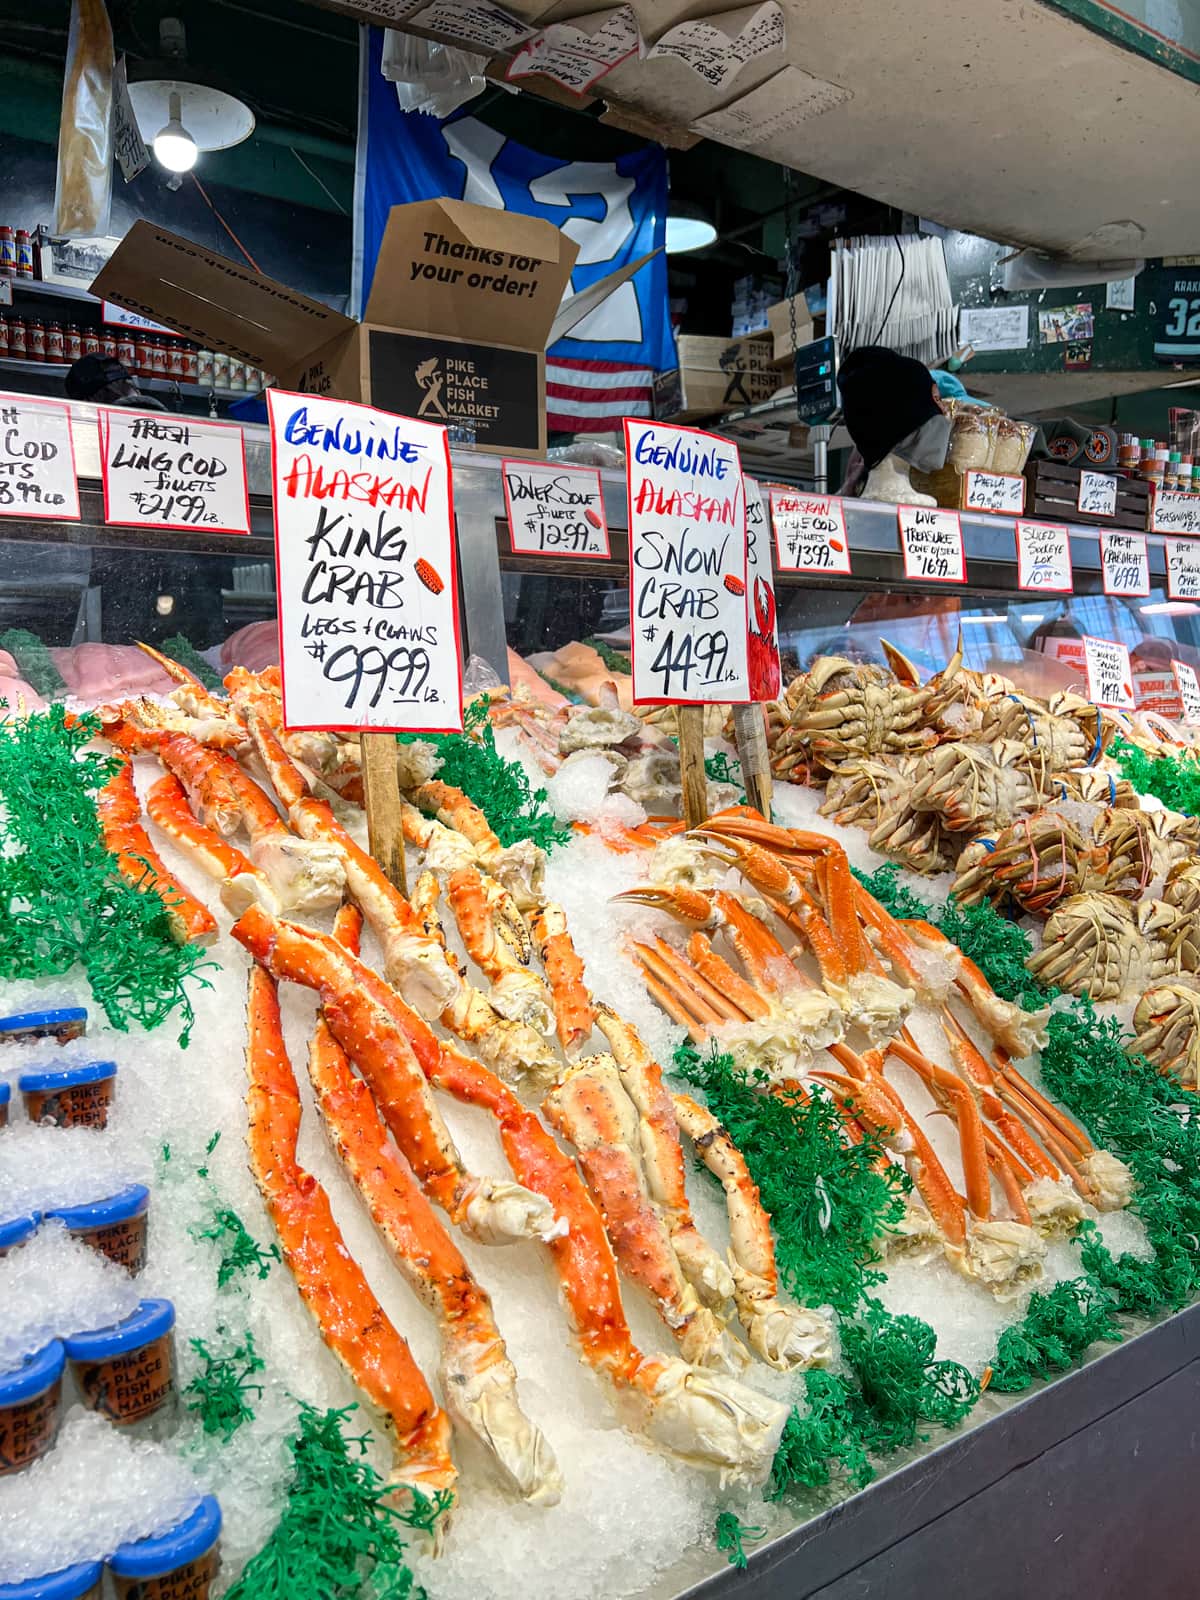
pixel 214 300
pixel 579 305
pixel 470 272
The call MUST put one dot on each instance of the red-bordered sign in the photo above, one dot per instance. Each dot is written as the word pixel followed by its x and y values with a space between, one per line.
pixel 163 471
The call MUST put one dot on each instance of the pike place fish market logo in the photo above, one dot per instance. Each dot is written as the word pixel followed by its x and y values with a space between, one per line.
pixel 430 381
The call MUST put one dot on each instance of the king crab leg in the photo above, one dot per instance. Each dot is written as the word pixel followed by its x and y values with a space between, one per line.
pixel 351 1321
pixel 357 1010
pixel 574 1010
pixel 478 1380
pixel 519 867
pixel 119 814
pixel 498 942
pixel 242 884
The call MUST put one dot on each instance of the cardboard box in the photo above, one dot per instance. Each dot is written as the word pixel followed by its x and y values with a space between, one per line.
pixel 714 376
pixel 448 276
pixel 779 325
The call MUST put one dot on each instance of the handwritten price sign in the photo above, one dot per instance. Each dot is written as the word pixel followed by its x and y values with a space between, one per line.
pixel 1097 494
pixel 810 532
pixel 554 510
pixel 37 460
pixel 364 548
pixel 762 641
pixel 1109 676
pixel 687 556
pixel 995 491
pixel 170 472
pixel 1124 563
pixel 1183 568
pixel 931 543
pixel 1044 558
pixel 1174 512
pixel 1188 685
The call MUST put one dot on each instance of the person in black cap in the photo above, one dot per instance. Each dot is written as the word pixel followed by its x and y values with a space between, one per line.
pixel 105 382
pixel 891 406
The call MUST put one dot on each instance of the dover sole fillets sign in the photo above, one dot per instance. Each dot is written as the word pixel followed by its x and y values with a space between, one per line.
pixel 364 535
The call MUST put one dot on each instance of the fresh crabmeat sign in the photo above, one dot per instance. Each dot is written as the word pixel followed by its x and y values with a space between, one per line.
pixel 364 550
pixel 687 557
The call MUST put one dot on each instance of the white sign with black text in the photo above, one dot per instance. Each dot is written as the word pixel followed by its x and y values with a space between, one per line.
pixel 1003 492
pixel 1044 558
pixel 1183 568
pixel 37 459
pixel 931 543
pixel 1124 563
pixel 810 531
pixel 687 562
pixel 1097 494
pixel 1174 512
pixel 1188 685
pixel 554 509
pixel 160 471
pixel 367 573
pixel 1109 675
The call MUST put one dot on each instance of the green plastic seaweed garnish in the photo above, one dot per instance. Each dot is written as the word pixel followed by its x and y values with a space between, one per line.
pixel 240 1251
pixel 731 1536
pixel 219 1393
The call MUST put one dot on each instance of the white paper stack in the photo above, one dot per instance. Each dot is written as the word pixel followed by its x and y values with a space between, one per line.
pixel 904 272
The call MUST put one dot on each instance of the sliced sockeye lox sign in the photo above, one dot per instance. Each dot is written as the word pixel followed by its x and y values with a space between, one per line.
pixel 367 569
pixel 1044 557
pixel 687 564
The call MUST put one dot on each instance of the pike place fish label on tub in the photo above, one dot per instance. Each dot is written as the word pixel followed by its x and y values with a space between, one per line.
pixel 687 558
pixel 931 543
pixel 554 509
pixel 367 570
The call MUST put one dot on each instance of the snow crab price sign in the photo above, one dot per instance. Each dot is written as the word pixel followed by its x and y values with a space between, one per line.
pixel 364 548
pixel 687 554
pixel 810 532
pixel 1124 563
pixel 932 544
pixel 1183 568
pixel 37 460
pixel 554 510
pixel 1044 558
pixel 172 472
pixel 1002 492
pixel 1109 675
pixel 1188 685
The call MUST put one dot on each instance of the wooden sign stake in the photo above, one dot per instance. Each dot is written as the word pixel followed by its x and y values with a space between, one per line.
pixel 691 764
pixel 750 735
pixel 381 791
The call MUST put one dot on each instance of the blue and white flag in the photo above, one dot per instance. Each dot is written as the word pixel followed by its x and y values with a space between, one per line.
pixel 615 211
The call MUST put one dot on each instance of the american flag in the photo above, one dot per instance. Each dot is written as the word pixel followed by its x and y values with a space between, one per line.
pixel 592 396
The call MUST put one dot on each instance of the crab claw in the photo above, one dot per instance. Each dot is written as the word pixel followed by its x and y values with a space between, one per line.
pixel 713 1421
pixel 740 822
pixel 688 905
pixel 765 871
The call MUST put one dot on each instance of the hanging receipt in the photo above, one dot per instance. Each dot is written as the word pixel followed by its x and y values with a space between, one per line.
pixel 1188 685
pixel 932 544
pixel 717 48
pixel 1183 568
pixel 687 562
pixel 364 551
pixel 37 459
pixel 810 532
pixel 484 27
pixel 1044 558
pixel 1109 675
pixel 762 639
pixel 578 53
pixel 765 119
pixel 1124 563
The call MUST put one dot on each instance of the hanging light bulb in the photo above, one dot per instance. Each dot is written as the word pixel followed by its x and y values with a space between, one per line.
pixel 174 146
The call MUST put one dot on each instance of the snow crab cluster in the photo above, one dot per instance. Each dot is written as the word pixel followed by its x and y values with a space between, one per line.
pixel 832 1011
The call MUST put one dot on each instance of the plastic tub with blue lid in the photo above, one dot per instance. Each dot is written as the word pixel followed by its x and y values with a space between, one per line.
pixel 116 1227
pixel 127 1371
pixel 30 1407
pixel 74 1096
pixel 63 1023
pixel 15 1230
pixel 5 1097
pixel 182 1561
pixel 80 1582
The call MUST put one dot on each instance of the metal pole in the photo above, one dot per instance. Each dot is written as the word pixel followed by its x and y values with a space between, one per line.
pixel 819 437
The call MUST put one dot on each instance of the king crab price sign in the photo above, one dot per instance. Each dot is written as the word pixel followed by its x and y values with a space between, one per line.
pixel 687 559
pixel 1109 674
pixel 366 568
pixel 810 532
pixel 932 544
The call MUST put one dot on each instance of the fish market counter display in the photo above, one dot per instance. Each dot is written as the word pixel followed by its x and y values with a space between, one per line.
pixel 601 1205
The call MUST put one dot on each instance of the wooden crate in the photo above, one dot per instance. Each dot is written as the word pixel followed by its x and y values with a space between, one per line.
pixel 1053 496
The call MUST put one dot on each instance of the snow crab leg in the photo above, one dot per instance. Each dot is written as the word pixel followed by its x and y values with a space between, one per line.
pixel 119 814
pixel 357 1007
pixel 351 1321
pixel 784 1336
pixel 478 1380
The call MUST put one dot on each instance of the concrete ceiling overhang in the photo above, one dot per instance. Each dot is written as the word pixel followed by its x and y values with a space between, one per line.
pixel 998 117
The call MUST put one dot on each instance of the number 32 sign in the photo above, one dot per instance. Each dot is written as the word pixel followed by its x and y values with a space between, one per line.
pixel 1176 298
